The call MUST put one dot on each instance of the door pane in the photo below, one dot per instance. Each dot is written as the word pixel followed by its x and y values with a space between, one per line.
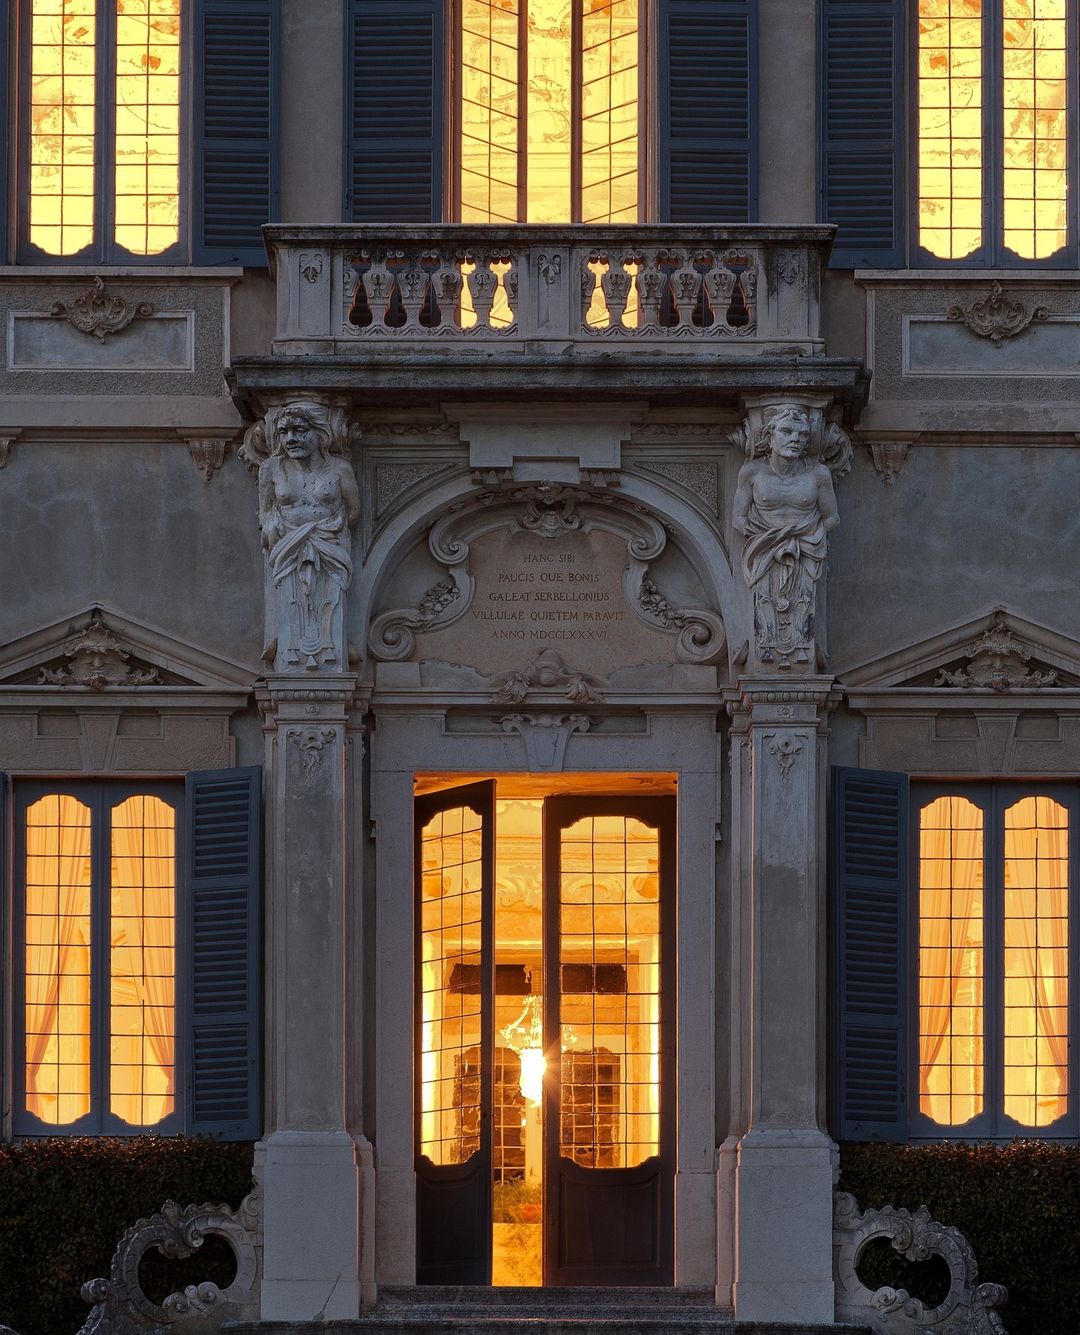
pixel 490 88
pixel 609 111
pixel 451 853
pixel 57 927
pixel 1036 999
pixel 951 960
pixel 609 978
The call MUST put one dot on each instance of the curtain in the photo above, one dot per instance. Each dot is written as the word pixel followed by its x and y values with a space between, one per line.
pixel 57 922
pixel 951 860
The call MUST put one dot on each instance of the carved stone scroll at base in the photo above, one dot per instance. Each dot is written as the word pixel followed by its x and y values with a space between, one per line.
pixel 122 1308
pixel 969 1308
pixel 308 503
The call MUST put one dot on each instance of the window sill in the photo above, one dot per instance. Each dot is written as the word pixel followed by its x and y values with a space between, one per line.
pixel 1012 277
pixel 146 273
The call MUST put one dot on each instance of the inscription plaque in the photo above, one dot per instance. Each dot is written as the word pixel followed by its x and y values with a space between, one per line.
pixel 533 593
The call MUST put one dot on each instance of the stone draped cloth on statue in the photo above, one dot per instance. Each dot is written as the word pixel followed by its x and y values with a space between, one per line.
pixel 797 548
pixel 316 543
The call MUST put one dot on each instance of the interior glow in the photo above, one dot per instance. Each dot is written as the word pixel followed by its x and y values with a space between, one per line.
pixel 609 111
pixel 950 84
pixel 489 110
pixel 142 961
pixel 951 967
pixel 1035 146
pixel 147 191
pixel 451 883
pixel 63 35
pixel 1036 1000
pixel 57 934
pixel 609 944
pixel 526 130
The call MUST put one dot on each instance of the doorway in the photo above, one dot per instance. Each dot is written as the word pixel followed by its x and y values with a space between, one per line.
pixel 544 1031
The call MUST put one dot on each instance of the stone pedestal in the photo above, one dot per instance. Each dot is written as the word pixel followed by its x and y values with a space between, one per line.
pixel 310 1160
pixel 777 1165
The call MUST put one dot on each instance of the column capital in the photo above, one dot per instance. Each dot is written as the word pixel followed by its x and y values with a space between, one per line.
pixel 775 700
pixel 291 698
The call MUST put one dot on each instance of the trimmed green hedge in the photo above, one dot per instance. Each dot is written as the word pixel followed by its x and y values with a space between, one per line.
pixel 1018 1205
pixel 65 1203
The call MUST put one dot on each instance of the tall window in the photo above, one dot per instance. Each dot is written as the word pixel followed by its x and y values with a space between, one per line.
pixel 102 147
pixel 548 107
pixel 994 880
pixel 96 918
pixel 994 102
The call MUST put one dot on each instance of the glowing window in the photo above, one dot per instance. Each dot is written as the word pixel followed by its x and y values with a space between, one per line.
pixel 103 153
pixel 98 927
pixel 994 96
pixel 548 110
pixel 995 991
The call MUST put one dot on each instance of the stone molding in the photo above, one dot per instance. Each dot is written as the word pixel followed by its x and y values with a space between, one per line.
pixel 969 1308
pixel 122 1308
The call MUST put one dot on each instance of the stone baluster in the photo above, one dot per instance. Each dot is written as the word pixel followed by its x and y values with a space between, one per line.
pixel 482 284
pixel 616 285
pixel 413 284
pixel 378 285
pixel 650 281
pixel 720 284
pixel 447 281
pixel 686 283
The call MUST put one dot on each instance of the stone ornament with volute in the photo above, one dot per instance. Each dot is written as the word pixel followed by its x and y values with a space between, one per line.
pixel 309 501
pixel 785 506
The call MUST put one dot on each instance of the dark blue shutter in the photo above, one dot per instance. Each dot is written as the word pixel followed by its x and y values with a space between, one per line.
pixel 7 168
pixel 870 863
pixel 862 129
pixel 223 851
pixel 236 140
pixel 394 113
pixel 707 79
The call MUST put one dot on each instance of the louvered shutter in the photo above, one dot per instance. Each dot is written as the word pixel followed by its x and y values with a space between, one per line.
pixel 870 864
pixel 7 170
pixel 395 111
pixel 223 884
pixel 707 102
pixel 862 141
pixel 236 58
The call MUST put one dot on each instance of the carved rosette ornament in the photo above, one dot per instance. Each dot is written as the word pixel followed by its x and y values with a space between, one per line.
pixel 969 1308
pixel 785 506
pixel 99 312
pixel 308 503
pixel 998 317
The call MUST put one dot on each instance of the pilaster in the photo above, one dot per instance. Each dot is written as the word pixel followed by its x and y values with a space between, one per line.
pixel 312 1158
pixel 777 1166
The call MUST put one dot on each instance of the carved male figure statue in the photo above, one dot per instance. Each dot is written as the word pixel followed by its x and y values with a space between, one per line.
pixel 308 501
pixel 784 505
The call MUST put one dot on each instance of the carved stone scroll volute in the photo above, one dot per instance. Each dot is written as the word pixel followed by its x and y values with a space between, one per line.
pixel 308 503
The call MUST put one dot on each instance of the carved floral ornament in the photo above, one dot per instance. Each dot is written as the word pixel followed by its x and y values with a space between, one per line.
pixel 997 659
pixel 551 511
pixel 997 316
pixel 100 312
pixel 96 659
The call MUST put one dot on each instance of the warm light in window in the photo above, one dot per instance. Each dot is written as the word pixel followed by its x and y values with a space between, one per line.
pixel 1036 999
pixel 57 926
pixel 63 109
pixel 147 194
pixel 1035 45
pixel 951 960
pixel 142 961
pixel 525 136
pixel 950 59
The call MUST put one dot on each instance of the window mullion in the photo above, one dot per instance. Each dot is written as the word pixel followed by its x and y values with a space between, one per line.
pixel 576 99
pixel 993 152
pixel 994 963
pixel 106 128
pixel 100 937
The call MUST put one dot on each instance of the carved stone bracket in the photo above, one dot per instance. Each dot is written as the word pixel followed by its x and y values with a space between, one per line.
pixel 207 454
pixel 889 457
pixel 545 736
pixel 7 440
pixel 969 1308
pixel 122 1308
pixel 97 659
pixel 99 312
pixel 828 442
pixel 997 317
pixel 547 672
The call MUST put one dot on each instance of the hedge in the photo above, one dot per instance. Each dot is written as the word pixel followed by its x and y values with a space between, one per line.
pixel 1018 1205
pixel 65 1203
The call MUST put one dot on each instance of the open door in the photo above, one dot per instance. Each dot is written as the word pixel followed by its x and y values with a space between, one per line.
pixel 609 966
pixel 454 862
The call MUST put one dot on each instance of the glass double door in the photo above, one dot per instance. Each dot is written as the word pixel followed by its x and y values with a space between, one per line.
pixel 545 971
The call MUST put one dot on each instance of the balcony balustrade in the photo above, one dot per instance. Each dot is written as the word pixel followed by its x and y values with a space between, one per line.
pixel 574 293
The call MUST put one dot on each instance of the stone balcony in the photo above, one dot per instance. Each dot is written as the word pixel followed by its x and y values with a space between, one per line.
pixel 547 310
